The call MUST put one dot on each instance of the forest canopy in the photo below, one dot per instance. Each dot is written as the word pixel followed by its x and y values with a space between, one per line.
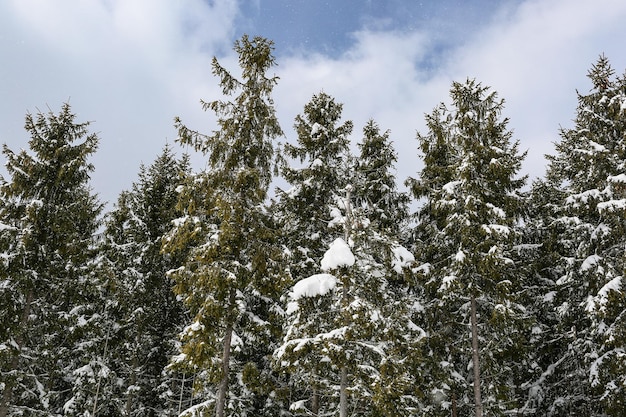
pixel 463 290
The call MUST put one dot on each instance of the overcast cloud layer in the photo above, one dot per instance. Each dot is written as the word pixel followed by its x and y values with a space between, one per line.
pixel 130 66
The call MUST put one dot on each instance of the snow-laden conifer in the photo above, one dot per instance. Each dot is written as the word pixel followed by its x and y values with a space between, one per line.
pixel 231 279
pixel 143 316
pixel 348 329
pixel 48 216
pixel 316 168
pixel 583 372
pixel 471 203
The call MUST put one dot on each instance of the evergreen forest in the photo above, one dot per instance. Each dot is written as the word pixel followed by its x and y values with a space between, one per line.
pixel 464 290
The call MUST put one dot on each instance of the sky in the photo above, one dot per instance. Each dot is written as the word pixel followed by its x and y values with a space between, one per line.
pixel 131 66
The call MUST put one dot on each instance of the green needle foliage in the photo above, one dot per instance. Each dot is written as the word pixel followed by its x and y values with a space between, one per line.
pixel 586 228
pixel 467 232
pixel 48 216
pixel 232 278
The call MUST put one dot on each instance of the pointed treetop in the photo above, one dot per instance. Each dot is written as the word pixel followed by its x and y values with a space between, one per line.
pixel 601 74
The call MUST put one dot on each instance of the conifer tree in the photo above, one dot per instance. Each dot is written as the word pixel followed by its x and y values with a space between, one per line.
pixel 544 239
pixel 443 387
pixel 376 193
pixel 147 316
pixel 48 216
pixel 317 175
pixel 439 156
pixel 469 278
pixel 379 220
pixel 231 279
pixel 307 211
pixel 348 333
pixel 587 172
pixel 94 389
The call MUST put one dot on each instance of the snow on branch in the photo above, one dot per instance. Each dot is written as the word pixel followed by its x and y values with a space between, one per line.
pixel 598 303
pixel 612 206
pixel 338 255
pixel 313 286
pixel 401 258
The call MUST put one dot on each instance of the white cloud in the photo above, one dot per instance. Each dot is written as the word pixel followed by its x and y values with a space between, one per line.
pixel 535 57
pixel 156 27
pixel 128 65
pixel 378 78
pixel 132 65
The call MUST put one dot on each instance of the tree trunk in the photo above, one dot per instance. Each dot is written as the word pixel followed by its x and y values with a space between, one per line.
pixel 19 340
pixel 133 380
pixel 220 403
pixel 6 397
pixel 343 387
pixel 343 393
pixel 475 360
pixel 180 397
pixel 454 411
pixel 315 402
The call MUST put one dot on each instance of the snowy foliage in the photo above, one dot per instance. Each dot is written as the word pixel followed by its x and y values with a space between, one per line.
pixel 49 299
pixel 201 294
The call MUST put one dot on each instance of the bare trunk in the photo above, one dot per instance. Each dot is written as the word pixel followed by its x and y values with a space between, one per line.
pixel 180 397
pixel 133 380
pixel 343 393
pixel 315 402
pixel 6 397
pixel 454 411
pixel 15 361
pixel 475 360
pixel 343 388
pixel 220 403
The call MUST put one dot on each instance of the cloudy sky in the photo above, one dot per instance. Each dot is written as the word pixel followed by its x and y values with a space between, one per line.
pixel 131 66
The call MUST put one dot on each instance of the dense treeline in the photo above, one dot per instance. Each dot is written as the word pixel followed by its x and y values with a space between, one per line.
pixel 206 294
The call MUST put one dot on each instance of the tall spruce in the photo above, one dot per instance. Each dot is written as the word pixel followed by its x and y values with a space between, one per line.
pixel 232 279
pixel 544 241
pixel 445 389
pixel 48 215
pixel 317 172
pixel 472 203
pixel 146 313
pixel 588 173
pixel 379 219
pixel 348 333
pixel 376 193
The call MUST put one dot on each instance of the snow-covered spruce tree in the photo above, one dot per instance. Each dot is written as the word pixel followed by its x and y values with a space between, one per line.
pixel 470 282
pixel 317 174
pixel 348 332
pixel 146 313
pixel 378 221
pixel 439 155
pixel 231 280
pixel 588 171
pixel 344 336
pixel 538 261
pixel 376 194
pixel 95 389
pixel 446 390
pixel 377 205
pixel 48 216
